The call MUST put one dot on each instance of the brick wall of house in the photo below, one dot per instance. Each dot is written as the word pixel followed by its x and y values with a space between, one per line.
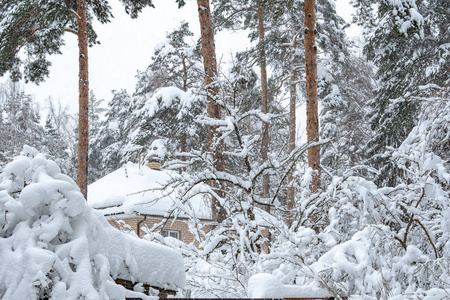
pixel 178 225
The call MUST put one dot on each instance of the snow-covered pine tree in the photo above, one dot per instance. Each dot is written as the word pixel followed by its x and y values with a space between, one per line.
pixel 179 59
pixel 20 121
pixel 405 41
pixel 169 114
pixel 113 135
pixel 343 115
pixel 176 63
pixel 213 109
pixel 95 113
pixel 143 117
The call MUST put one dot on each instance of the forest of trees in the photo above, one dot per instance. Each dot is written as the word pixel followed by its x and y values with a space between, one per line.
pixel 371 185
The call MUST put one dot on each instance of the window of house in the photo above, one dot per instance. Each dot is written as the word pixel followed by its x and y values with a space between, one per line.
pixel 171 233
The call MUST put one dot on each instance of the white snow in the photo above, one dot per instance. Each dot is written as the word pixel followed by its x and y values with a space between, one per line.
pixel 163 98
pixel 265 285
pixel 158 148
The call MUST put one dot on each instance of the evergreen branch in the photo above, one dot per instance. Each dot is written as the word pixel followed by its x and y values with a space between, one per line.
pixel 280 85
pixel 71 31
pixel 232 15
pixel 75 14
pixel 27 39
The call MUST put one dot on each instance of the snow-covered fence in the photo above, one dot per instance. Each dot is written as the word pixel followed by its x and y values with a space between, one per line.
pixel 314 298
pixel 268 286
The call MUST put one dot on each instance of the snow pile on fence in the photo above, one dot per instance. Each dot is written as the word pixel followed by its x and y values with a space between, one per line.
pixel 54 245
pixel 265 285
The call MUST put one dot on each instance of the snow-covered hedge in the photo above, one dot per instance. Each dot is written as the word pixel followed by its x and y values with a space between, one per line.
pixel 52 244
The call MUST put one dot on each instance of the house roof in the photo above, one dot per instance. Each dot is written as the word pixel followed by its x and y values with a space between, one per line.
pixel 131 190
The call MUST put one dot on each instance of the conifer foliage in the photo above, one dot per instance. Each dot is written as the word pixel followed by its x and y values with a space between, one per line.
pixel 406 41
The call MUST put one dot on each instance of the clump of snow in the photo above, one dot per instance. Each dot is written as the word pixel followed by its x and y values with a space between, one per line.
pixel 265 285
pixel 158 148
pixel 54 245
pixel 162 98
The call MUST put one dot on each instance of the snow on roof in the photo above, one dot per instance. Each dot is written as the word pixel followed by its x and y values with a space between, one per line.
pixel 132 190
pixel 52 244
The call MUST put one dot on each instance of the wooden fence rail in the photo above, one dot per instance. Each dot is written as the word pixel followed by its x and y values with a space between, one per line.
pixel 314 298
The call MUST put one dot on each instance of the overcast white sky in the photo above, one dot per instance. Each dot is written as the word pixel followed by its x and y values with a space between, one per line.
pixel 127 46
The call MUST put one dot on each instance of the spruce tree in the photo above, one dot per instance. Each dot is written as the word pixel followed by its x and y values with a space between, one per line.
pixel 95 112
pixel 20 122
pixel 113 135
pixel 178 59
pixel 406 41
pixel 343 116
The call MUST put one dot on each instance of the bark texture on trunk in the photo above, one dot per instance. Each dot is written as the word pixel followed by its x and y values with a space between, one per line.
pixel 210 67
pixel 183 150
pixel 312 116
pixel 264 99
pixel 83 90
pixel 183 142
pixel 292 132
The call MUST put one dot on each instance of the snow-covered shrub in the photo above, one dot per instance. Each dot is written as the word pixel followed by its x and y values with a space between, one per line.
pixel 53 245
pixel 222 258
pixel 372 241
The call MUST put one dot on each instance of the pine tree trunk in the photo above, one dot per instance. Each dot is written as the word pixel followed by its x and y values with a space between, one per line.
pixel 264 100
pixel 83 89
pixel 312 115
pixel 183 150
pixel 292 124
pixel 210 66
pixel 183 141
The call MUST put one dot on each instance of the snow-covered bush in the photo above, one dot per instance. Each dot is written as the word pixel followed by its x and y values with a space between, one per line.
pixel 53 245
pixel 373 241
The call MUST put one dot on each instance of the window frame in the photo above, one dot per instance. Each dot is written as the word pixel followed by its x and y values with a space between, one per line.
pixel 168 233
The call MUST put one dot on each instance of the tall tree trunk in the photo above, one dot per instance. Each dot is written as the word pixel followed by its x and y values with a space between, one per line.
pixel 183 141
pixel 292 124
pixel 183 150
pixel 264 99
pixel 83 90
pixel 210 66
pixel 312 116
